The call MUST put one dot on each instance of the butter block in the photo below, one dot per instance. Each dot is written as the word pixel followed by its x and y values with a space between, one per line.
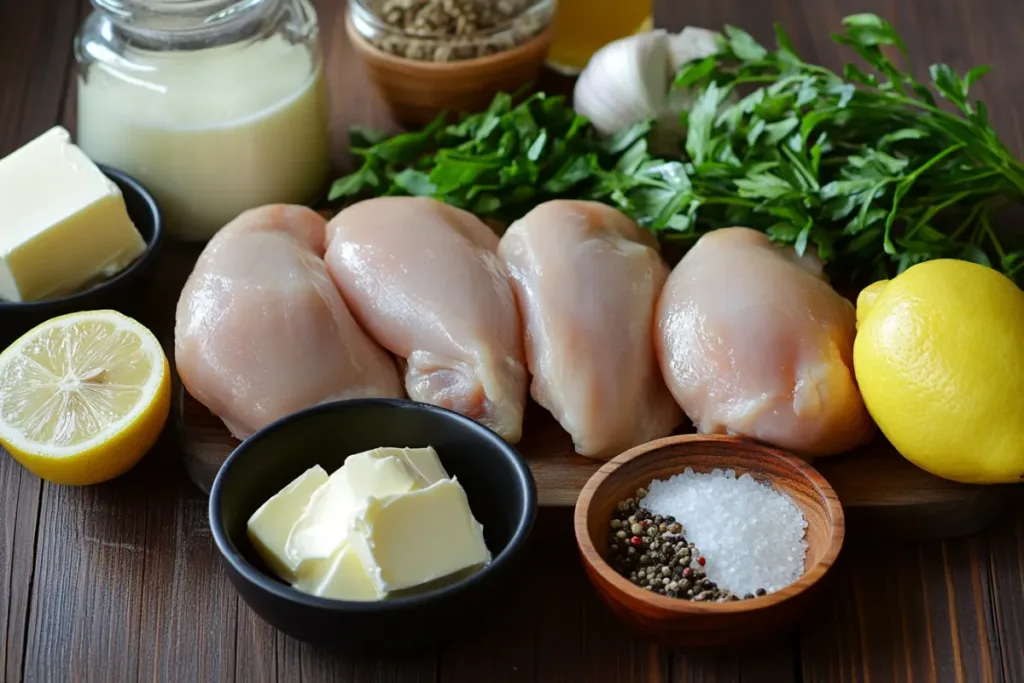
pixel 63 224
pixel 339 577
pixel 379 472
pixel 386 471
pixel 270 527
pixel 416 537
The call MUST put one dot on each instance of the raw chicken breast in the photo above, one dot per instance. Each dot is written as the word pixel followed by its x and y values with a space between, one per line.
pixel 754 342
pixel 261 331
pixel 423 279
pixel 587 278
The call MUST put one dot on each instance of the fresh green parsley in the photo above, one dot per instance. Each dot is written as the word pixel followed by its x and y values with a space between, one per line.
pixel 865 166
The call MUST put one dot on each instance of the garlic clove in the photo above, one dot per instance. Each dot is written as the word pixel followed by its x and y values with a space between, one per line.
pixel 626 81
pixel 691 44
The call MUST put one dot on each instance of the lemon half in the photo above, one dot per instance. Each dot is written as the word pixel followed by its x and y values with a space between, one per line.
pixel 83 397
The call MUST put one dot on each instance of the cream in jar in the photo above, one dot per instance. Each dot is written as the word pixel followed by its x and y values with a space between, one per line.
pixel 210 131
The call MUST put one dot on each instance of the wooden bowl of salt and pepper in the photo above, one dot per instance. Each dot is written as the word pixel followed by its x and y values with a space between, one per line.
pixel 780 529
pixel 428 56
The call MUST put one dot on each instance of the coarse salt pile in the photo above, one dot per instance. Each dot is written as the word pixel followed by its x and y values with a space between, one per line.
pixel 751 536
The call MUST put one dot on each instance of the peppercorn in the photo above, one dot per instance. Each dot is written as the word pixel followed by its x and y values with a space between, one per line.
pixel 760 592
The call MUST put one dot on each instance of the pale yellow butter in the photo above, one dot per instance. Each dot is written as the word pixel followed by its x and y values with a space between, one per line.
pixel 339 577
pixel 63 224
pixel 386 471
pixel 412 538
pixel 389 519
pixel 379 472
pixel 270 527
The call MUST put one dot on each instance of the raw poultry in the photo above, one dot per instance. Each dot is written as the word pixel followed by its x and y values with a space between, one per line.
pixel 586 279
pixel 261 331
pixel 754 341
pixel 423 279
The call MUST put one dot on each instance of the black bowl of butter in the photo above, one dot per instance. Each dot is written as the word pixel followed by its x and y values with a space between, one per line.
pixel 80 236
pixel 373 525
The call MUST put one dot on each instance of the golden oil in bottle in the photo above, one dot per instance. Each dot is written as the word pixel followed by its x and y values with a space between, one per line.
pixel 582 27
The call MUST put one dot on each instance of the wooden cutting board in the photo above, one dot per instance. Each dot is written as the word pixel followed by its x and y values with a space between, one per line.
pixel 882 494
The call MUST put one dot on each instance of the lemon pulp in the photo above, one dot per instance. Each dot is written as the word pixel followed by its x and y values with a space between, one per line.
pixel 83 397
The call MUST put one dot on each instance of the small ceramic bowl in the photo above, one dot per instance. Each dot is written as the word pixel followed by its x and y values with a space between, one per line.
pixel 498 483
pixel 119 292
pixel 416 90
pixel 683 623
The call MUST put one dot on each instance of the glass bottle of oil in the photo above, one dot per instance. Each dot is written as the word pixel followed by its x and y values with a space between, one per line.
pixel 582 27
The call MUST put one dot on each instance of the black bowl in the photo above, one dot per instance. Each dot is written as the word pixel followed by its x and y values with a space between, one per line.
pixel 500 487
pixel 121 292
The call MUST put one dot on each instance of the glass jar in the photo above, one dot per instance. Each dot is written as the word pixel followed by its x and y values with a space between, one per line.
pixel 216 106
pixel 582 27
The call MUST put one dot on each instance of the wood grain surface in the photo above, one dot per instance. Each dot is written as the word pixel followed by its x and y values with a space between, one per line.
pixel 884 495
pixel 121 582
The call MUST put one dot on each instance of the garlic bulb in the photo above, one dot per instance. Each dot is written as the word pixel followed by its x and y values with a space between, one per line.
pixel 630 79
pixel 625 81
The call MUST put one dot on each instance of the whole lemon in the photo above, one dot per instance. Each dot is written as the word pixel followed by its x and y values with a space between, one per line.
pixel 939 357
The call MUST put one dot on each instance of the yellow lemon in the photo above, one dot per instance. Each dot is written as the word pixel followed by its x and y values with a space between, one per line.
pixel 939 358
pixel 83 397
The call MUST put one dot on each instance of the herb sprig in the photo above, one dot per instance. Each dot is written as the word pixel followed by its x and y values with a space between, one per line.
pixel 866 166
pixel 498 164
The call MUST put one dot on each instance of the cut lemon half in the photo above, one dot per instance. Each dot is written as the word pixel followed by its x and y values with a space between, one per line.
pixel 83 397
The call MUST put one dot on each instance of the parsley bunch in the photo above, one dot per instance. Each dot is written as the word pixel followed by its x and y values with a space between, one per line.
pixel 865 166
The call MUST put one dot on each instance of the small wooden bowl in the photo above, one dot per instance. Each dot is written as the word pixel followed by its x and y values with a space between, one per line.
pixel 682 623
pixel 417 91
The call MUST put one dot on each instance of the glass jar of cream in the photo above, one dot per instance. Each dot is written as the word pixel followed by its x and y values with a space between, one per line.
pixel 216 106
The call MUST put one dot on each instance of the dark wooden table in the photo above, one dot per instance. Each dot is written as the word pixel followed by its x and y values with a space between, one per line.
pixel 121 582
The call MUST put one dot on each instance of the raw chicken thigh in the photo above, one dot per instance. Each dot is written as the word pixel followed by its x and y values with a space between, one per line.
pixel 754 342
pixel 423 279
pixel 262 332
pixel 586 279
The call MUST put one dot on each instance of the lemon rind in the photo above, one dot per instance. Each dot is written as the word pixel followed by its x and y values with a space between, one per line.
pixel 150 390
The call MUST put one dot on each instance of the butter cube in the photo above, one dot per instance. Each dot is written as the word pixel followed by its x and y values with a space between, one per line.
pixel 386 471
pixel 416 537
pixel 379 472
pixel 271 526
pixel 339 577
pixel 63 224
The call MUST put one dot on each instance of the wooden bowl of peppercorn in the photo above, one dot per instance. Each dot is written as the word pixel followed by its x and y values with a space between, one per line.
pixel 645 567
pixel 429 57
